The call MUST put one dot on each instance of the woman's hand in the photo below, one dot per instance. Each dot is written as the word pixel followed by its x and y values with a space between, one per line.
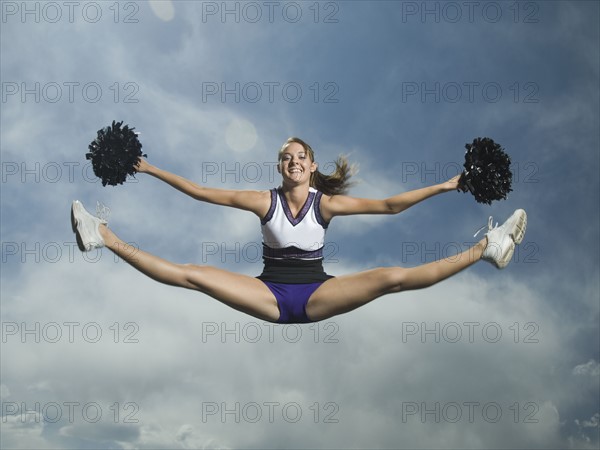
pixel 142 166
pixel 452 184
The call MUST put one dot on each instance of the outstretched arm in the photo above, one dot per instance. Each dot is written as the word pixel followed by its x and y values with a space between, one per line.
pixel 256 201
pixel 342 205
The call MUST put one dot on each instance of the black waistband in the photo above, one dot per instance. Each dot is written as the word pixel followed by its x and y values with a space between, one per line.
pixel 293 271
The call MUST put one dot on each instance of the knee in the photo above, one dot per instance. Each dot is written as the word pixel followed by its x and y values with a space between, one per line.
pixel 392 278
pixel 192 275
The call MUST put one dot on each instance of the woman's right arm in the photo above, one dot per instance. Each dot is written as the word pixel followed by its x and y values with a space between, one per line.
pixel 257 202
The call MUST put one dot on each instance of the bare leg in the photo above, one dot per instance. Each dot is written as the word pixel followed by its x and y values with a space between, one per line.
pixel 241 292
pixel 345 293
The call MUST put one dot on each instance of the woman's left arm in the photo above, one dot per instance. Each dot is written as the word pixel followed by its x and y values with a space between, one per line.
pixel 342 205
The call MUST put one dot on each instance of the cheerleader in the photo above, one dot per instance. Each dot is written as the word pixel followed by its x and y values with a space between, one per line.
pixel 293 287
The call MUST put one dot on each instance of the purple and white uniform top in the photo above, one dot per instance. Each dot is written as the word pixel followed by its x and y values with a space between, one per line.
pixel 299 238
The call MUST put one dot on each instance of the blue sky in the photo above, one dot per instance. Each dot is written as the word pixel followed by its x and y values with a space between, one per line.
pixel 95 355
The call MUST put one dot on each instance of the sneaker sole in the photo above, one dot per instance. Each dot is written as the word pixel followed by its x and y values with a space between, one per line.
pixel 506 257
pixel 75 230
pixel 519 227
pixel 500 255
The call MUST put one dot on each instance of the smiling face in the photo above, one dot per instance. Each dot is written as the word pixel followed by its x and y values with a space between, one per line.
pixel 295 163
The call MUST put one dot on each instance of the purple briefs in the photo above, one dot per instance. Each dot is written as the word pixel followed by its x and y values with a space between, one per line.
pixel 292 300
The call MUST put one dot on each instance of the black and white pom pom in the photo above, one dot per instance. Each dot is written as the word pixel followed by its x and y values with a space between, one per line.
pixel 114 153
pixel 487 172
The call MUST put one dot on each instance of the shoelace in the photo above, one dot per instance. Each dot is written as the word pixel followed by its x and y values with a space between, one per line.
pixel 102 211
pixel 489 225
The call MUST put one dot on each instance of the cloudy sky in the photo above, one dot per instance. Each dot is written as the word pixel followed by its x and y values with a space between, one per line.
pixel 95 355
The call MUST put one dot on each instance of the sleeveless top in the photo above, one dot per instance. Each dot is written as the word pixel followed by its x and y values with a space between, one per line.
pixel 293 246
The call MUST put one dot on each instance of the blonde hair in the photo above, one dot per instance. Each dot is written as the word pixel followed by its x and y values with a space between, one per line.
pixel 336 183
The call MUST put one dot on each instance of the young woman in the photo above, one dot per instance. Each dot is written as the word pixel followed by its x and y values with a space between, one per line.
pixel 293 287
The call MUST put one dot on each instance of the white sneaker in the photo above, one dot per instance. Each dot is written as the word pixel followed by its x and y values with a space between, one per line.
pixel 502 239
pixel 85 226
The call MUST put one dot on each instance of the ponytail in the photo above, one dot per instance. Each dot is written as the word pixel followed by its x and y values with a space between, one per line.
pixel 335 184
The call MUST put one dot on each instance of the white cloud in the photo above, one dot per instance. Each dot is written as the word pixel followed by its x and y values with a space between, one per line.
pixel 178 342
pixel 24 431
pixel 591 368
pixel 592 423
